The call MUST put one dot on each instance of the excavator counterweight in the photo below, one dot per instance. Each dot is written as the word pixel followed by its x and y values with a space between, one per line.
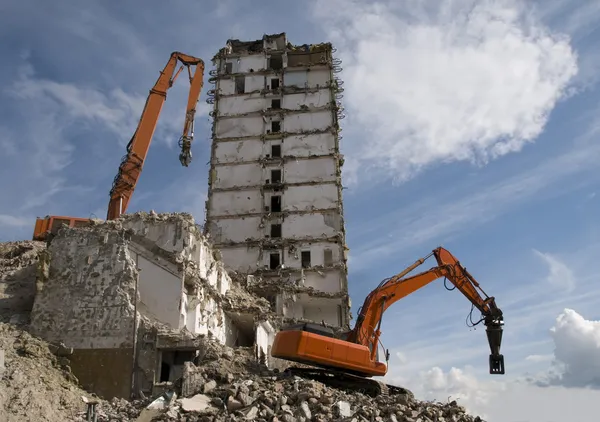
pixel 356 352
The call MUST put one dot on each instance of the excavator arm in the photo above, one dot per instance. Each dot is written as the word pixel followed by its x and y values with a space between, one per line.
pixel 367 328
pixel 131 165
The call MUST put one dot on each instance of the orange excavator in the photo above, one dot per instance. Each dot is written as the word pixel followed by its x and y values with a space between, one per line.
pixel 349 359
pixel 137 149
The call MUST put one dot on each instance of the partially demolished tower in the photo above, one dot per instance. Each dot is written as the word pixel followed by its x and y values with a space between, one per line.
pixel 274 206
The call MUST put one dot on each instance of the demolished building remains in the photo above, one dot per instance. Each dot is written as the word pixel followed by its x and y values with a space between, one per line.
pixel 274 206
pixel 132 299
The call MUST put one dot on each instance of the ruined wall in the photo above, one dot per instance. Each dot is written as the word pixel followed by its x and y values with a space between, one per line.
pixel 18 269
pixel 104 288
pixel 87 298
pixel 275 190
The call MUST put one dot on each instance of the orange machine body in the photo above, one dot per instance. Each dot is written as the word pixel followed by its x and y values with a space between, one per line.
pixel 356 351
pixel 49 225
pixel 327 352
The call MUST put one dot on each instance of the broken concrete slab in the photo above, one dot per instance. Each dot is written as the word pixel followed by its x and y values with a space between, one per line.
pixel 197 403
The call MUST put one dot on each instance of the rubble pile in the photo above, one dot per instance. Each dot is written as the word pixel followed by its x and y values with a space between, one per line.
pixel 225 385
pixel 35 385
pixel 18 266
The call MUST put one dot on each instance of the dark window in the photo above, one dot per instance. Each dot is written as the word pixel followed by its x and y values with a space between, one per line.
pixel 274 260
pixel 275 127
pixel 228 68
pixel 305 259
pixel 276 104
pixel 275 230
pixel 276 62
pixel 328 257
pixel 275 151
pixel 274 83
pixel 275 176
pixel 240 85
pixel 276 203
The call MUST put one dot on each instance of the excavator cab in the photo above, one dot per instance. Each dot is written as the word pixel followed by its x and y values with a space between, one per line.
pixel 47 227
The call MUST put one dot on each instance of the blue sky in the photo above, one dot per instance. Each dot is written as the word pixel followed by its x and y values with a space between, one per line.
pixel 470 126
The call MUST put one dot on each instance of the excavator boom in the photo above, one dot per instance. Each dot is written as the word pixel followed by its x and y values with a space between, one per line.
pixel 355 352
pixel 137 149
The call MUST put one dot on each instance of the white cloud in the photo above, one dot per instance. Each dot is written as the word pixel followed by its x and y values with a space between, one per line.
pixel 559 274
pixel 539 358
pixel 457 384
pixel 115 109
pixel 469 81
pixel 555 393
pixel 577 351
pixel 505 400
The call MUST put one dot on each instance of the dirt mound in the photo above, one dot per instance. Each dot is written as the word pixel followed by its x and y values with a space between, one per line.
pixel 35 385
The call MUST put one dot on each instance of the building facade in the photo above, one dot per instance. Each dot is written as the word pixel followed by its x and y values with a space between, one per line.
pixel 274 206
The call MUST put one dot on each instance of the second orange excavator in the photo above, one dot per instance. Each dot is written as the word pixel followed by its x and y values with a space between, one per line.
pixel 137 149
pixel 350 359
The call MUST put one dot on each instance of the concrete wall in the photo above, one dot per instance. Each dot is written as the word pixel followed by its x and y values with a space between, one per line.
pixel 88 299
pixel 314 309
pixel 106 372
pixel 265 335
pixel 159 291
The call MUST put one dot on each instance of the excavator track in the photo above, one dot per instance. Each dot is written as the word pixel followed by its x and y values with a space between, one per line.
pixel 347 382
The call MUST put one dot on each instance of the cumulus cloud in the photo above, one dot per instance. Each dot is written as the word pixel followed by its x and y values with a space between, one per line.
pixel 458 384
pixel 468 81
pixel 576 353
pixel 559 274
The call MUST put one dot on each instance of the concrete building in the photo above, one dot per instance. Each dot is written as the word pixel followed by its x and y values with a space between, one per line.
pixel 274 206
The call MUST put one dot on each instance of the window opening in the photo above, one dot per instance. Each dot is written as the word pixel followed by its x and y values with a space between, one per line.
pixel 276 104
pixel 276 151
pixel 274 260
pixel 240 85
pixel 276 176
pixel 228 68
pixel 305 257
pixel 276 62
pixel 275 230
pixel 275 127
pixel 328 257
pixel 276 203
pixel 274 83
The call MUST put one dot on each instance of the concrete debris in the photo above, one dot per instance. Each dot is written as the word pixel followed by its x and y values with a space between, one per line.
pixel 35 385
pixel 226 384
pixel 237 389
pixel 18 267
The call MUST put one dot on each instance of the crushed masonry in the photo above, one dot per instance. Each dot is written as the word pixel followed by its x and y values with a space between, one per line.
pixel 224 384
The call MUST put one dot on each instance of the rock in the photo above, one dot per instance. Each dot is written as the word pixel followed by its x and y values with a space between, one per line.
pixel 209 386
pixel 233 404
pixel 342 408
pixel 252 413
pixel 198 403
pixel 305 410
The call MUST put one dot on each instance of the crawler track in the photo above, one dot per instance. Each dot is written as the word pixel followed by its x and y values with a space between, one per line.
pixel 348 382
